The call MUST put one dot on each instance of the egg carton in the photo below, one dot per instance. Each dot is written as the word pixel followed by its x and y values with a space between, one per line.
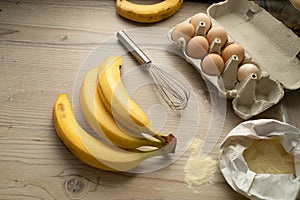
pixel 268 44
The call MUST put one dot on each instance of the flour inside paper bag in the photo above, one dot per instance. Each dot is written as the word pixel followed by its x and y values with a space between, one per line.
pixel 269 157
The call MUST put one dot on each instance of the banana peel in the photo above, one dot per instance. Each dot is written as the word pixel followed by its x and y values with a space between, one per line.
pixel 147 13
pixel 89 149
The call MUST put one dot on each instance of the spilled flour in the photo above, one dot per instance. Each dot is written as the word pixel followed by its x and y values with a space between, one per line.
pixel 199 170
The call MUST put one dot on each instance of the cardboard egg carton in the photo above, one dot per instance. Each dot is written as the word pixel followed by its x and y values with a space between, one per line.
pixel 268 44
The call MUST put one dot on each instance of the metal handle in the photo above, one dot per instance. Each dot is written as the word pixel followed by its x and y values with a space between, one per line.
pixel 133 48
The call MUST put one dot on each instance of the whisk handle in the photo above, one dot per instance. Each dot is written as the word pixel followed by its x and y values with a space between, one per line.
pixel 133 48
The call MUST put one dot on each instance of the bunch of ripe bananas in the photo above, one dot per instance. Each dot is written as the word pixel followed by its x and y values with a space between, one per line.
pixel 105 104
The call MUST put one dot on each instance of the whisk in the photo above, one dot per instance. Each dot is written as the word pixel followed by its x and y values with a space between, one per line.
pixel 172 91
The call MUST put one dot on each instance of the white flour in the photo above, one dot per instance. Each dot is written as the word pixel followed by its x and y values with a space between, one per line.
pixel 199 170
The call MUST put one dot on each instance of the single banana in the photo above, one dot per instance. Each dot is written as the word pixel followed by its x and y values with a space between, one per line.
pixel 147 13
pixel 101 120
pixel 90 150
pixel 118 101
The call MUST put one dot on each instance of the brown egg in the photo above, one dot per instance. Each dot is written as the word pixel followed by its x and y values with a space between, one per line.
pixel 197 47
pixel 233 49
pixel 212 64
pixel 246 70
pixel 201 17
pixel 217 32
pixel 296 4
pixel 185 30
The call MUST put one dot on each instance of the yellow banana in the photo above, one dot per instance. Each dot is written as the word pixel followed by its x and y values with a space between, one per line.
pixel 147 13
pixel 90 150
pixel 101 120
pixel 118 101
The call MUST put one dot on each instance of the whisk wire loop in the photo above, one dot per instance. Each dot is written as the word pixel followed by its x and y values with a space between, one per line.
pixel 172 91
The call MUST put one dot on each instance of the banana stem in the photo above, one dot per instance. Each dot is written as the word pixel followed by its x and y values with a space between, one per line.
pixel 165 139
pixel 171 141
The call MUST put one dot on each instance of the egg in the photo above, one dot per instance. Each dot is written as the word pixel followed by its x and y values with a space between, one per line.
pixel 197 47
pixel 246 70
pixel 233 49
pixel 201 17
pixel 184 30
pixel 217 32
pixel 212 64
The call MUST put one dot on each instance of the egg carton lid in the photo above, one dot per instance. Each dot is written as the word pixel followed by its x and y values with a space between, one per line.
pixel 273 46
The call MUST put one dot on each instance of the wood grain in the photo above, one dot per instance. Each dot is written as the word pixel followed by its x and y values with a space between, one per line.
pixel 42 46
pixel 290 107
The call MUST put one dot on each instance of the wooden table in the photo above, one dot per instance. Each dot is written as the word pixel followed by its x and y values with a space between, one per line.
pixel 42 46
